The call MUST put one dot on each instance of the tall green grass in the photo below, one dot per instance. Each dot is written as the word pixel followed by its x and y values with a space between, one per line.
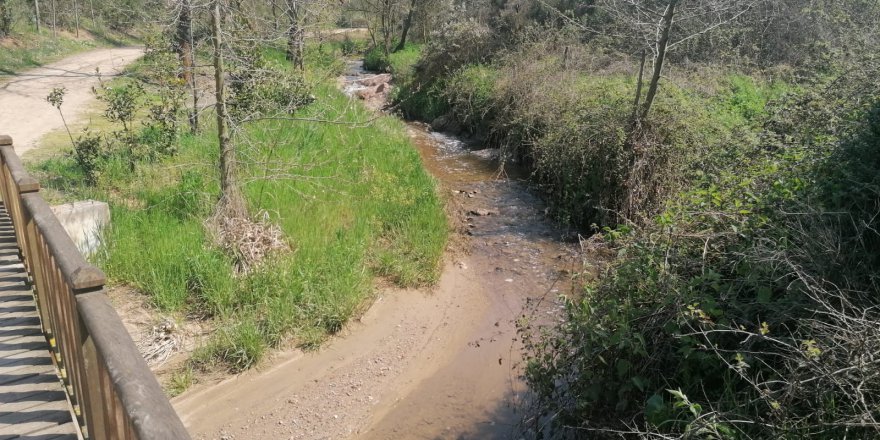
pixel 399 63
pixel 350 195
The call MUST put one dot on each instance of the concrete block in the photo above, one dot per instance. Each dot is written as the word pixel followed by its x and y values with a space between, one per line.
pixel 84 222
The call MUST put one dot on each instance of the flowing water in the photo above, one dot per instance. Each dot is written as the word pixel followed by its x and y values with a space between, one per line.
pixel 518 259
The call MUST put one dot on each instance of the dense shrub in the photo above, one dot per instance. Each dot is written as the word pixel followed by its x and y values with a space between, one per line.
pixel 399 63
pixel 375 60
pixel 733 313
pixel 89 154
pixel 470 93
pixel 575 129
pixel 259 85
pixel 351 47
pixel 460 42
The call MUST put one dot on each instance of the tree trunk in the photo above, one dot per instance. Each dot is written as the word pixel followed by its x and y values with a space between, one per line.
pixel 662 43
pixel 37 12
pixel 54 21
pixel 194 116
pixel 231 204
pixel 387 28
pixel 76 16
pixel 182 37
pixel 5 19
pixel 294 35
pixel 635 114
pixel 406 25
pixel 92 12
pixel 186 51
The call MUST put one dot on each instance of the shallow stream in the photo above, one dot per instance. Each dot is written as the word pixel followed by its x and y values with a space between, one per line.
pixel 519 261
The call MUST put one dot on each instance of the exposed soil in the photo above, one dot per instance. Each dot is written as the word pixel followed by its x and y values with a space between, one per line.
pixel 165 340
pixel 435 363
pixel 24 113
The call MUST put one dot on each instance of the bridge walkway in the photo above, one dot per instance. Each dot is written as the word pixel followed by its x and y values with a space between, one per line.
pixel 33 403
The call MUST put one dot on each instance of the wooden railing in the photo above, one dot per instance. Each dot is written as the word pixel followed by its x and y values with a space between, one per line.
pixel 113 393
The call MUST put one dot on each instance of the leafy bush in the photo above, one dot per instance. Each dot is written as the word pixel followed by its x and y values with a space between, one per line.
pixel 5 19
pixel 259 86
pixel 470 93
pixel 89 154
pixel 352 47
pixel 375 60
pixel 456 44
pixel 734 312
pixel 400 63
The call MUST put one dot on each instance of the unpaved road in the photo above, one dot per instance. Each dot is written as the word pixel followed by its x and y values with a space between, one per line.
pixel 24 113
pixel 442 363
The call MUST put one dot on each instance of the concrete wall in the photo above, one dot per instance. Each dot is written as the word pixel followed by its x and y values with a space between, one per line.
pixel 84 222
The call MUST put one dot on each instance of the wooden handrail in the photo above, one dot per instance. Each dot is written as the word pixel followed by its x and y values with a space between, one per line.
pixel 113 392
pixel 78 273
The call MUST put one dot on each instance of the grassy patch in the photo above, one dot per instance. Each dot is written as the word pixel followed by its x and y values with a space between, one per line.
pixel 402 62
pixel 399 63
pixel 351 198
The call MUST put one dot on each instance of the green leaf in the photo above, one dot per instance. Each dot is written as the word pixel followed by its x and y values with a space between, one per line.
pixel 678 394
pixel 640 382
pixel 655 408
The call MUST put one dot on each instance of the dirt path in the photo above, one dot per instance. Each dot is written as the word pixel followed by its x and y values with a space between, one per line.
pixel 24 113
pixel 435 364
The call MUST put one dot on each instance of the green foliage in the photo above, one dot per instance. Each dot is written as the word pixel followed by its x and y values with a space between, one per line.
pixel 5 18
pixel 125 15
pixel 746 97
pixel 239 347
pixel 89 155
pixel 402 62
pixel 351 46
pixel 168 258
pixel 56 97
pixel 122 103
pixel 155 98
pixel 420 101
pixel 324 60
pixel 375 60
pixel 180 381
pixel 460 42
pixel 731 295
pixel 260 85
pixel 470 93
pixel 353 202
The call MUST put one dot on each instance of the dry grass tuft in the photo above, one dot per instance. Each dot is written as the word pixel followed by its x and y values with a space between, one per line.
pixel 160 343
pixel 249 242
